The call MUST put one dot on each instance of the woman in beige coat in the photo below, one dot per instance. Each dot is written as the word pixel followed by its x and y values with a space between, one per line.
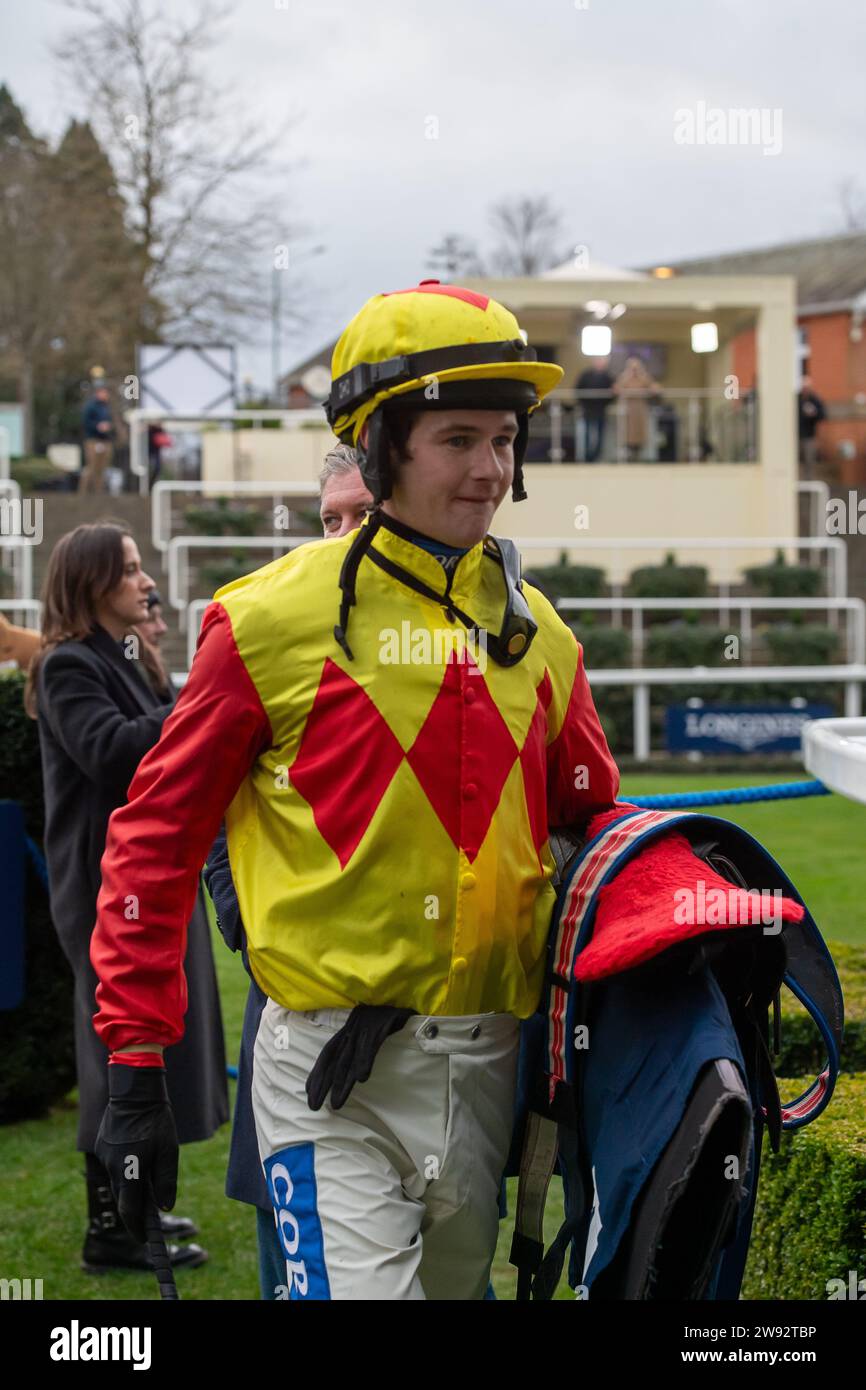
pixel 634 386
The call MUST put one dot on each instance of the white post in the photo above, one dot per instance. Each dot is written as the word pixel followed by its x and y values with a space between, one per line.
pixel 556 449
pixel 853 707
pixel 641 723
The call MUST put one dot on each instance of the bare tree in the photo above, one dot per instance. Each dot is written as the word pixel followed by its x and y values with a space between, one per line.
pixel 455 257
pixel 29 254
pixel 853 204
pixel 190 165
pixel 529 233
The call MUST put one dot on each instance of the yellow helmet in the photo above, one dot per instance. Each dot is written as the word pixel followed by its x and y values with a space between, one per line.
pixel 429 347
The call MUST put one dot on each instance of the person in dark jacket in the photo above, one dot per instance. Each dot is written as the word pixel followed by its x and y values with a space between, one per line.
pixel 97 427
pixel 98 715
pixel 598 380
pixel 810 412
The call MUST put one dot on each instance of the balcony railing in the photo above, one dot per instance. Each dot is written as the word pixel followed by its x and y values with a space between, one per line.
pixel 670 425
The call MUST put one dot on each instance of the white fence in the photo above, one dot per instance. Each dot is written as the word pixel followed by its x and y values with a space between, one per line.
pixel 139 420
pixel 25 612
pixel 20 548
pixel 836 553
pixel 852 675
pixel 161 496
pixel 835 751
pixel 179 548
pixel 854 608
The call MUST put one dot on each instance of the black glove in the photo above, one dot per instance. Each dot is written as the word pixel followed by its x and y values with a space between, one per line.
pixel 137 1144
pixel 349 1055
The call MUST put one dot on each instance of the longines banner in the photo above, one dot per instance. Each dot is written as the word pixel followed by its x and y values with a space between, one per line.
pixel 739 728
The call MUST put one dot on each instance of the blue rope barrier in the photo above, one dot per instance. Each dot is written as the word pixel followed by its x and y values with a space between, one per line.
pixel 774 791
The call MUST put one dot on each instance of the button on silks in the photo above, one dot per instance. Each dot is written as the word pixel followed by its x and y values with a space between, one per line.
pixel 459 965
pixel 468 881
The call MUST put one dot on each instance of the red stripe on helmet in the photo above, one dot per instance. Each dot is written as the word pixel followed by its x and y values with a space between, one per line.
pixel 480 301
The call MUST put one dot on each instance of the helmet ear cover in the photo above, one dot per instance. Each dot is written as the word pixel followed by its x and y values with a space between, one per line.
pixel 374 457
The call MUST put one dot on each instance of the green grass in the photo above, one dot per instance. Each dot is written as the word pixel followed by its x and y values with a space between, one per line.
pixel 42 1198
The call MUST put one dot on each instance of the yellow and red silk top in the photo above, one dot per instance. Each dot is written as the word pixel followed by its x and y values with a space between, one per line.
pixel 387 816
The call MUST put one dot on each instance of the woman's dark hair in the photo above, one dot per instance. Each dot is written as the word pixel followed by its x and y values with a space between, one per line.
pixel 85 565
pixel 151 659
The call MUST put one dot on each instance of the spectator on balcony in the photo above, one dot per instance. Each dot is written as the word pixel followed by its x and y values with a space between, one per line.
pixel 810 412
pixel 596 378
pixel 635 388
pixel 98 715
pixel 98 429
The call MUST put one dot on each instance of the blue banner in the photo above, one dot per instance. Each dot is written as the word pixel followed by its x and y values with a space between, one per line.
pixel 738 728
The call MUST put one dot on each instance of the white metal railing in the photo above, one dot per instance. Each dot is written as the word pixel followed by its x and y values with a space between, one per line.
pixel 138 421
pixel 5 457
pixel 837 555
pixel 675 424
pixel 162 493
pixel 855 608
pixel 820 492
pixel 21 548
pixel 178 559
pixel 835 751
pixel 29 608
pixel 852 675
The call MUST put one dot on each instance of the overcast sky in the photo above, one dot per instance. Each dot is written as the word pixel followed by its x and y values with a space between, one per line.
pixel 573 98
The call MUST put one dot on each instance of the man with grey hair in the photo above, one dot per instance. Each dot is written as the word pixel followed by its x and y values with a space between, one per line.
pixel 345 500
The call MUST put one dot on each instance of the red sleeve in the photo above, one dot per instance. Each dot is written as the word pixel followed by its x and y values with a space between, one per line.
pixel 158 841
pixel 582 777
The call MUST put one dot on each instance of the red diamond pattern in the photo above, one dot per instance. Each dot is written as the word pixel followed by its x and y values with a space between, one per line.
pixel 462 757
pixel 533 763
pixel 463 754
pixel 346 760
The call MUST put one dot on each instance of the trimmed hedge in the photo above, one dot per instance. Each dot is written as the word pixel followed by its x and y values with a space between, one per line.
pixel 605 648
pixel 686 644
pixel 810 1217
pixel 669 580
pixel 36 1039
pixel 802 1050
pixel 223 519
pixel 778 579
pixel 567 581
pixel 809 644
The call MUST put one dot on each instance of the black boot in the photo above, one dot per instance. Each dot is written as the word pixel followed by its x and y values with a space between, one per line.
pixel 108 1245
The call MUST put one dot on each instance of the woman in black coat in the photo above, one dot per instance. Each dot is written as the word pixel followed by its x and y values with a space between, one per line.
pixel 98 715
